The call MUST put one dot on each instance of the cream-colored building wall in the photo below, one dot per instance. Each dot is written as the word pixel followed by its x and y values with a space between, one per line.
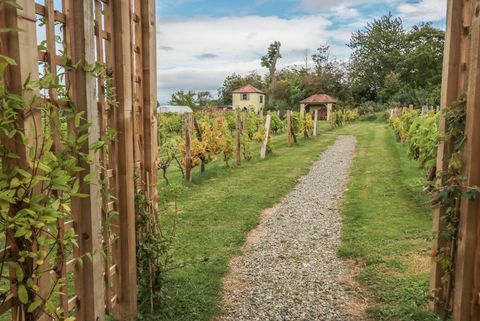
pixel 252 103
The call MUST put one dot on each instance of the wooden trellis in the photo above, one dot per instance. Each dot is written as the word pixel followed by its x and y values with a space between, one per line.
pixel 118 35
pixel 461 75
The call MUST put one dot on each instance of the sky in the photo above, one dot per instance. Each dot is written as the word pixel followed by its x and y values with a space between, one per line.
pixel 200 42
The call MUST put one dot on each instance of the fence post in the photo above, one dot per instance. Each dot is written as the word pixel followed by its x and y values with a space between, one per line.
pixel 289 128
pixel 315 120
pixel 453 83
pixel 188 153
pixel 121 34
pixel 20 46
pixel 263 151
pixel 149 57
pixel 87 211
pixel 467 274
pixel 239 138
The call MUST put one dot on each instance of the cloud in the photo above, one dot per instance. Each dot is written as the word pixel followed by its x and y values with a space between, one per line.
pixel 209 49
pixel 424 10
pixel 165 48
pixel 205 56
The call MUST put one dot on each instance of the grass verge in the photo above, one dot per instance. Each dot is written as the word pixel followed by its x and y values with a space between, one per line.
pixel 386 226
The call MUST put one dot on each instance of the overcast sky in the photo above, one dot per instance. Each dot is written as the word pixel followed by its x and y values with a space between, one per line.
pixel 200 42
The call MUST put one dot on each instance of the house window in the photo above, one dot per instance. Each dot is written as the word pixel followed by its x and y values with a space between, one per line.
pixel 244 96
pixel 261 99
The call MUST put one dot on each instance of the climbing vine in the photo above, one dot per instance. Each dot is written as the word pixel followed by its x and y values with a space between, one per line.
pixel 450 192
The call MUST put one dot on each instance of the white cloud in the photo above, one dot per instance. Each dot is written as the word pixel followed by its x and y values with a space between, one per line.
pixel 424 10
pixel 237 44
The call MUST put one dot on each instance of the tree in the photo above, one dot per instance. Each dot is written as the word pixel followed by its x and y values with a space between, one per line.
pixel 204 98
pixel 270 61
pixel 182 98
pixel 377 51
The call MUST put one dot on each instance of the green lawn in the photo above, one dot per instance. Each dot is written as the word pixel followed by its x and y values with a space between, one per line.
pixel 387 225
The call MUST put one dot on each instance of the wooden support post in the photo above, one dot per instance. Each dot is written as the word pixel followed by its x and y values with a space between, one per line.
pixel 263 151
pixel 188 152
pixel 21 46
pixel 239 139
pixel 315 121
pixel 453 84
pixel 467 275
pixel 289 128
pixel 127 298
pixel 149 57
pixel 87 211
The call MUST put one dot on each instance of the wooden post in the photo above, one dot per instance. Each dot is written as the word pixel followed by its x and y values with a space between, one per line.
pixel 188 153
pixel 261 116
pixel 263 151
pixel 127 298
pixel 467 282
pixel 87 211
pixel 289 128
pixel 453 83
pixel 150 97
pixel 239 142
pixel 315 120
pixel 21 46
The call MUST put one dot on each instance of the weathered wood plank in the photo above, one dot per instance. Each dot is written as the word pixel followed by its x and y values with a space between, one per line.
pixel 451 89
pixel 263 151
pixel 89 287
pixel 122 38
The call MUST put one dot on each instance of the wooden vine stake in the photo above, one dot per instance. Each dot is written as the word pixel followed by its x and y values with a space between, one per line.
pixel 289 128
pixel 315 120
pixel 263 151
pixel 239 137
pixel 188 152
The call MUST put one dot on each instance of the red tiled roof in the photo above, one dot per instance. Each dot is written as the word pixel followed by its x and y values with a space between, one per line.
pixel 318 99
pixel 248 89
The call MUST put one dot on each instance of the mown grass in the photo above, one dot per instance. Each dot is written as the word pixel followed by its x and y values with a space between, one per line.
pixel 216 212
pixel 387 225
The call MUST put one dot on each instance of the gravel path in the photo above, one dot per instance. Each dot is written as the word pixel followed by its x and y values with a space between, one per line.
pixel 289 270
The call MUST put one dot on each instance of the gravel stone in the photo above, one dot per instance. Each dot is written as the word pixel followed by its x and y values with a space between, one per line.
pixel 289 270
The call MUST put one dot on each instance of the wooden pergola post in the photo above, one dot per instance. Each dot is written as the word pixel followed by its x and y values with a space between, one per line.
pixel 127 298
pixel 467 277
pixel 87 212
pixel 19 45
pixel 461 74
pixel 149 43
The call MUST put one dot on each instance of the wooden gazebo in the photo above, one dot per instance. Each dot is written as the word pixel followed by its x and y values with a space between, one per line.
pixel 321 102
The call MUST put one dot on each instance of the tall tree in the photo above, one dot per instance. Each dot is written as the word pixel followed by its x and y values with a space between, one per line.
pixel 182 98
pixel 204 98
pixel 377 51
pixel 270 61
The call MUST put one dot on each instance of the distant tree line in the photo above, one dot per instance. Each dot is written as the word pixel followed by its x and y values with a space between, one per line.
pixel 389 64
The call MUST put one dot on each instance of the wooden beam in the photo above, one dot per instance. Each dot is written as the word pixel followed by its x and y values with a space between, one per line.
pixel 467 282
pixel 127 296
pixel 315 120
pixel 453 73
pixel 149 57
pixel 87 212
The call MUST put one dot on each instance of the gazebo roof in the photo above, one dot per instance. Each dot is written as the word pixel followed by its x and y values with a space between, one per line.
pixel 319 99
pixel 248 89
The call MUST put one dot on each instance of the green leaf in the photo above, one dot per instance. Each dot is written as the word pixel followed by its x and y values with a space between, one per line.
pixel 22 294
pixel 34 305
pixel 8 60
pixel 19 273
